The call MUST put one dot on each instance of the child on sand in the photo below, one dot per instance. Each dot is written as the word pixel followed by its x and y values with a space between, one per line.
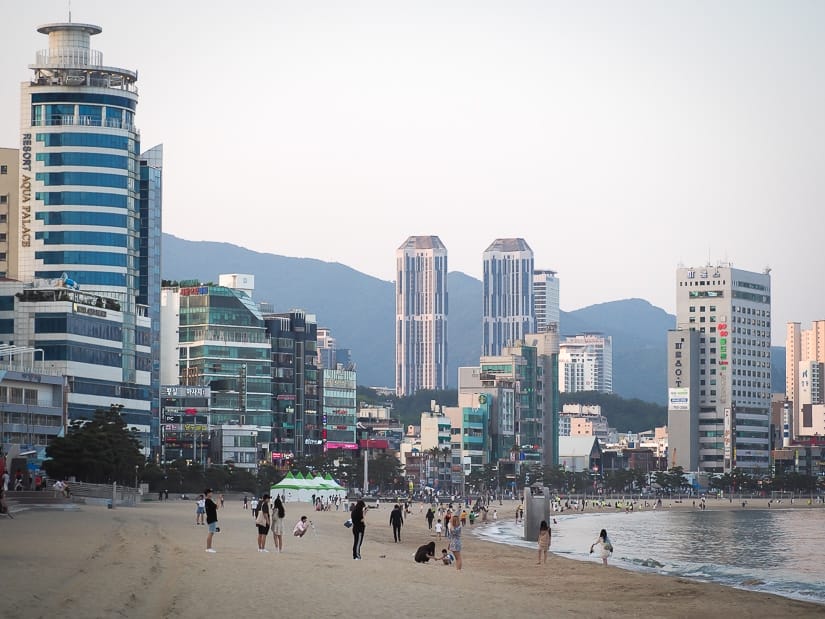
pixel 438 528
pixel 544 541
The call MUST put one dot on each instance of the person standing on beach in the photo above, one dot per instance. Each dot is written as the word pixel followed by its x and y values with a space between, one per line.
pixel 606 546
pixel 200 510
pixel 455 540
pixel 396 520
pixel 276 517
pixel 438 529
pixel 359 526
pixel 211 518
pixel 263 522
pixel 544 541
pixel 430 517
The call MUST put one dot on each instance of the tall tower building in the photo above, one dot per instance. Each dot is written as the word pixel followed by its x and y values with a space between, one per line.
pixel 9 187
pixel 87 225
pixel 420 315
pixel 546 300
pixel 731 311
pixel 508 294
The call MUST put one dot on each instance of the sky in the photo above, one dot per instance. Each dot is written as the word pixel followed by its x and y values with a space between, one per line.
pixel 602 133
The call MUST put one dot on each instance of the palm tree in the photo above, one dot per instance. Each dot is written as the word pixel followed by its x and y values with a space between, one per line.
pixel 446 454
pixel 432 454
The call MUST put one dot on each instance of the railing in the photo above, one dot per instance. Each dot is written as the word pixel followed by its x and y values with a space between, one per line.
pixel 83 121
pixel 69 57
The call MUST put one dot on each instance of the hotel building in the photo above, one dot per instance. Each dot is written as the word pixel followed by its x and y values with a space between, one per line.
pixel 729 385
pixel 546 300
pixel 86 226
pixel 805 379
pixel 586 363
pixel 420 315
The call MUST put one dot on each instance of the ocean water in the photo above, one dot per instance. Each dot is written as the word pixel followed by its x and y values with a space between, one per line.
pixel 772 550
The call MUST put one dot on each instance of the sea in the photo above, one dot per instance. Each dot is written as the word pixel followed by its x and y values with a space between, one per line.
pixel 771 550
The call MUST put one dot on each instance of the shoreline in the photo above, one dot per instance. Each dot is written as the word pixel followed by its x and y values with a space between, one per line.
pixel 149 561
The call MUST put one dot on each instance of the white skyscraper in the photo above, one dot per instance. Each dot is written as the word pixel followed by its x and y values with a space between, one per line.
pixel 508 295
pixel 546 299
pixel 421 315
pixel 731 311
pixel 586 363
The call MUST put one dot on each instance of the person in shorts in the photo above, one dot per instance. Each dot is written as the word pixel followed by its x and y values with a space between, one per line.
pixel 211 509
pixel 200 509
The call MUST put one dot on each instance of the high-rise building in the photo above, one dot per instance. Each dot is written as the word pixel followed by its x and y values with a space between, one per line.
pixel 730 309
pixel 9 188
pixel 298 422
pixel 546 299
pixel 586 363
pixel 420 315
pixel 87 231
pixel 508 294
pixel 804 356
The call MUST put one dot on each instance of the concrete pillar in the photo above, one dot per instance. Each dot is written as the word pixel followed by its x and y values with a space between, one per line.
pixel 536 509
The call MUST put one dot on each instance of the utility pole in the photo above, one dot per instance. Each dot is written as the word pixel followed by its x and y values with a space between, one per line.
pixel 366 475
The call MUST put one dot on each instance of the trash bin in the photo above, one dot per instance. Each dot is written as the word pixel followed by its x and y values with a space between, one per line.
pixel 109 504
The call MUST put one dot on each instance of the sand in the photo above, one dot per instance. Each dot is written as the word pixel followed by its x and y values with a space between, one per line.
pixel 149 561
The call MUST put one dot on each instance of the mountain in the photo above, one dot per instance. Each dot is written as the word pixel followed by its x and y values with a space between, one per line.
pixel 360 310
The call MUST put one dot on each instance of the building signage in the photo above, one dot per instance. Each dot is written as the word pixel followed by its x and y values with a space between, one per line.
pixel 677 370
pixel 678 399
pixel 26 190
pixel 313 441
pixel 88 310
pixel 182 391
pixel 727 438
pixel 723 343
pixel 334 445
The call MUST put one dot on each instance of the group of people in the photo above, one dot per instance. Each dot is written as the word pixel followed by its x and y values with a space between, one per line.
pixel 450 555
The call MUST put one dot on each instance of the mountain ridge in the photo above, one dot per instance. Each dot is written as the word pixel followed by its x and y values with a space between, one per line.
pixel 360 311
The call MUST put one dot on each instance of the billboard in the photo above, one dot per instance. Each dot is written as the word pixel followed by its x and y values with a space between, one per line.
pixel 678 398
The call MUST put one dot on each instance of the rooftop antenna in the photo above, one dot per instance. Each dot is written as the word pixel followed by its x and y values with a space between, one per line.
pixel 70 11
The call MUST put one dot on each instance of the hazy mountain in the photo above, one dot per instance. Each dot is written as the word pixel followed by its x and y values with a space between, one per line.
pixel 360 310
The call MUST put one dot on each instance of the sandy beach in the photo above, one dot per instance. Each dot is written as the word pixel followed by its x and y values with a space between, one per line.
pixel 149 561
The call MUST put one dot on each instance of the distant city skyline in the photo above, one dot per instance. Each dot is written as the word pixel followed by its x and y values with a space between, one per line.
pixel 620 140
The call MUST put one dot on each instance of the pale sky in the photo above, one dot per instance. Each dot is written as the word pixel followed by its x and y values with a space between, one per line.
pixel 597 131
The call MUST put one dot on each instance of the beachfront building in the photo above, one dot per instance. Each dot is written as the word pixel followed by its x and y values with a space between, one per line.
pixel 730 310
pixel 436 449
pixel 222 343
pixel 339 413
pixel 469 422
pixel 87 224
pixel 298 427
pixel 805 380
pixel 9 221
pixel 546 300
pixel 683 375
pixel 31 403
pixel 586 363
pixel 583 420
pixel 184 425
pixel 508 312
pixel 420 315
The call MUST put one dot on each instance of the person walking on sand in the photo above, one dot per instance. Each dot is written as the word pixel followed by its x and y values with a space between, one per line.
pixel 211 509
pixel 606 546
pixel 276 518
pixel 544 541
pixel 263 522
pixel 396 521
pixel 430 517
pixel 359 526
pixel 455 540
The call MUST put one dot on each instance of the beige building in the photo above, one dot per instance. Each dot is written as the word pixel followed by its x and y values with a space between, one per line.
pixel 804 359
pixel 9 189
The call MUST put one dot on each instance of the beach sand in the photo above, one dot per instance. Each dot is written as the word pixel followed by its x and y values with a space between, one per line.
pixel 149 561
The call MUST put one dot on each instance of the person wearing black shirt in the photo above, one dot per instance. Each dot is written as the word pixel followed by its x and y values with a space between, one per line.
pixel 211 518
pixel 359 526
pixel 396 520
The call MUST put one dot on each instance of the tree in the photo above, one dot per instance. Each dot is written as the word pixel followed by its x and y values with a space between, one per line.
pixel 99 450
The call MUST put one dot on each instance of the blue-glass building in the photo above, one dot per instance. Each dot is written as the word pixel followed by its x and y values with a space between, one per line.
pixel 88 223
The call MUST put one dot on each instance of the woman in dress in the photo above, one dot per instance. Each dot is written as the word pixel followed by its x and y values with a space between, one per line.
pixel 455 540
pixel 606 546
pixel 276 519
pixel 544 541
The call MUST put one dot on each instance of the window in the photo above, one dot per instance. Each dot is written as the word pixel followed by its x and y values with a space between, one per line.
pixel 4 169
pixel 4 199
